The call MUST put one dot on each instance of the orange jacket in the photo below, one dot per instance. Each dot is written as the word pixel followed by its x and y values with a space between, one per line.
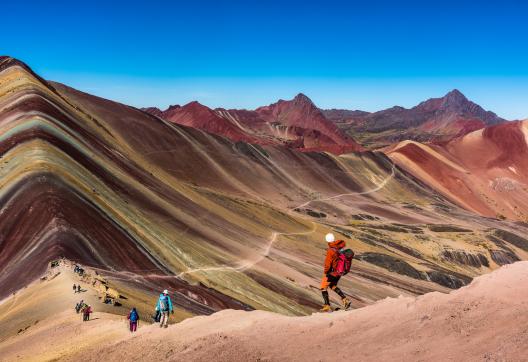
pixel 331 255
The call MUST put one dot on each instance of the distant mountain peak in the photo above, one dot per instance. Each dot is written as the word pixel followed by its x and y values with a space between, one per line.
pixel 194 104
pixel 454 101
pixel 455 93
pixel 172 107
pixel 303 100
pixel 455 97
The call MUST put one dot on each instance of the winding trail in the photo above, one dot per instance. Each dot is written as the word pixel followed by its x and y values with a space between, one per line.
pixel 276 234
pixel 127 275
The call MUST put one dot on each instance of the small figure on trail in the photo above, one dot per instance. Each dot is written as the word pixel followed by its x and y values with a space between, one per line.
pixel 74 288
pixel 79 288
pixel 78 306
pixel 337 263
pixel 164 306
pixel 133 317
pixel 87 310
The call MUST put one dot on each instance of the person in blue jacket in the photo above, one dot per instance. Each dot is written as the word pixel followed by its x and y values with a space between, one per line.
pixel 164 306
pixel 133 317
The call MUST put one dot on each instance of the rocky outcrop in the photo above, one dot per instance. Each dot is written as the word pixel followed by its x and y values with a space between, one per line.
pixel 447 280
pixel 396 265
pixel 503 257
pixel 512 238
pixel 464 258
pixel 391 263
pixel 447 229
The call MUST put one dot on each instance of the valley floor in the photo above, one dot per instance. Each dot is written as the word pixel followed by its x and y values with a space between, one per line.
pixel 485 321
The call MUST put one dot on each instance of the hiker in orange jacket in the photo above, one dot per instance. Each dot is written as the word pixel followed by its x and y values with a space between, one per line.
pixel 329 280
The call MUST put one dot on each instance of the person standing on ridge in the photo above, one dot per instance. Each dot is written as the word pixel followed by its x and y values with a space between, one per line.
pixel 164 306
pixel 74 288
pixel 133 317
pixel 332 274
pixel 79 288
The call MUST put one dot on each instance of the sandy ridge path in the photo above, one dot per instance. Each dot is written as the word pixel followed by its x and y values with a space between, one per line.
pixel 485 321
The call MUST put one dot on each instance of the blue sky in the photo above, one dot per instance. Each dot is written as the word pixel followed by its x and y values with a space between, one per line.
pixel 350 54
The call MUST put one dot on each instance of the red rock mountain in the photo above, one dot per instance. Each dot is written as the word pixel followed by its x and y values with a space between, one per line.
pixel 484 171
pixel 197 115
pixel 153 110
pixel 437 119
pixel 297 123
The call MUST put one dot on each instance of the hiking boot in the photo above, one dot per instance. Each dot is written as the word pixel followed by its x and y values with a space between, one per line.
pixel 166 326
pixel 326 308
pixel 346 303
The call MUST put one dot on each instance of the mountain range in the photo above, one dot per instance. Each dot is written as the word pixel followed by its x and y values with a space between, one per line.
pixel 299 124
pixel 228 209
pixel 434 120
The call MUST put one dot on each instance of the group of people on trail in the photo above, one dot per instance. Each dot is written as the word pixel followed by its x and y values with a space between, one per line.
pixel 163 308
pixel 85 309
pixel 161 316
pixel 79 305
pixel 77 269
pixel 337 263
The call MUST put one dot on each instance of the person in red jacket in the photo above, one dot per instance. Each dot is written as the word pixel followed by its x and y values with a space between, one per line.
pixel 330 280
pixel 86 313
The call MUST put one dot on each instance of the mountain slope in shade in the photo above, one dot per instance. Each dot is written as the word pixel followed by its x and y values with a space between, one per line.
pixel 297 124
pixel 484 171
pixel 437 119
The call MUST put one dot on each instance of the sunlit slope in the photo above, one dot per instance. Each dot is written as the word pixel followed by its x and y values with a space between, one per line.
pixel 485 320
pixel 484 171
pixel 154 205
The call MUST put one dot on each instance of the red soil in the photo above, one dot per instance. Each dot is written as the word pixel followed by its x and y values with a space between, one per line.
pixel 199 116
pixel 468 169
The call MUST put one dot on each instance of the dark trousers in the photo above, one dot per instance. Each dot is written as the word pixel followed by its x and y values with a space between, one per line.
pixel 133 326
pixel 330 281
pixel 86 317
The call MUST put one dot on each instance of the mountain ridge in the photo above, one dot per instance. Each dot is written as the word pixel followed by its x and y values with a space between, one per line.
pixel 434 120
pixel 296 124
pixel 300 124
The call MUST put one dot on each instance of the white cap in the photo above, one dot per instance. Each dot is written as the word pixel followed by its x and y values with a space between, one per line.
pixel 165 291
pixel 330 238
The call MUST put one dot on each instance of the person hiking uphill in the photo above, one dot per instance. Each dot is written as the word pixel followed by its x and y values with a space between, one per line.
pixel 133 317
pixel 164 306
pixel 74 288
pixel 334 269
